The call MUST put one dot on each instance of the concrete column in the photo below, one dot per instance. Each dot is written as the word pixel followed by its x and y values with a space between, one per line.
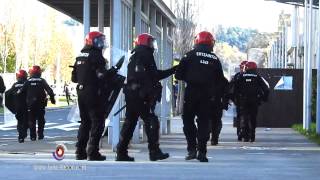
pixel 307 65
pixel 279 52
pixel 101 15
pixel 137 17
pixel 310 58
pixel 164 104
pixel 86 17
pixel 153 21
pixel 115 17
pixel 318 78
pixel 285 46
pixel 136 134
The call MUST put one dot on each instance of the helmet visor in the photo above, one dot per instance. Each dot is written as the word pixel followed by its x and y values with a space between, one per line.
pixel 101 42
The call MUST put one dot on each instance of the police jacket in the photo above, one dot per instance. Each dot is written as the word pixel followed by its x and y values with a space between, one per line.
pixel 142 71
pixel 19 99
pixel 36 89
pixel 200 68
pixel 142 67
pixel 250 86
pixel 90 68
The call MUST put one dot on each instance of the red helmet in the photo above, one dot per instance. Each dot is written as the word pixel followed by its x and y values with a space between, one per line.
pixel 35 70
pixel 21 74
pixel 146 39
pixel 251 66
pixel 243 65
pixel 205 38
pixel 96 39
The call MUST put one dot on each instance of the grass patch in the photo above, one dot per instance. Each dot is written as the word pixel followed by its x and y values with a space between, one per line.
pixel 1 110
pixel 311 134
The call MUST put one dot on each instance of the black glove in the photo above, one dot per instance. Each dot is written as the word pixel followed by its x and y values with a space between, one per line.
pixel 52 100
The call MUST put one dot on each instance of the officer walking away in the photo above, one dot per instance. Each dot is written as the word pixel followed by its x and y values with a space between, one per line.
pixel 236 121
pixel 20 106
pixel 142 91
pixel 249 91
pixel 201 69
pixel 36 89
pixel 220 103
pixel 2 89
pixel 66 90
pixel 89 72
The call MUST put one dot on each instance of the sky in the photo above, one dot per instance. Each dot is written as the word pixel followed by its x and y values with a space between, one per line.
pixel 257 14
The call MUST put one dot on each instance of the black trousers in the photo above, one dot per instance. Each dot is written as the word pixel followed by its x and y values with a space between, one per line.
pixel 216 125
pixel 197 103
pixel 137 107
pixel 248 119
pixel 22 124
pixel 92 121
pixel 36 112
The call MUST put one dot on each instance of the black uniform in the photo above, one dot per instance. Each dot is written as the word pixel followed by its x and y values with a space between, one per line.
pixel 202 71
pixel 90 73
pixel 2 89
pixel 220 103
pixel 20 108
pixel 236 121
pixel 36 89
pixel 142 91
pixel 249 90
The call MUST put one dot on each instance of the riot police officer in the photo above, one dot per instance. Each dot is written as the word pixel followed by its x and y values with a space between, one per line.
pixel 249 90
pixel 20 106
pixel 220 103
pixel 90 72
pixel 201 69
pixel 142 91
pixel 36 89
pixel 2 89
pixel 236 121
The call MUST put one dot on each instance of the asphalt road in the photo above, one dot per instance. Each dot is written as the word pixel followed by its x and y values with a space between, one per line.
pixel 56 124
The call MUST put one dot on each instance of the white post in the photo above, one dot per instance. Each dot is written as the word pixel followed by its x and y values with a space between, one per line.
pixel 116 22
pixel 101 15
pixel 310 58
pixel 305 65
pixel 86 17
pixel 318 78
pixel 136 134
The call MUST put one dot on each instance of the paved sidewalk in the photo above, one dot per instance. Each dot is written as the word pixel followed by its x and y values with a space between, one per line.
pixel 277 154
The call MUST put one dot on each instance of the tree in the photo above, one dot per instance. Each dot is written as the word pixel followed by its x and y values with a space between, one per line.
pixel 183 38
pixel 235 36
pixel 258 48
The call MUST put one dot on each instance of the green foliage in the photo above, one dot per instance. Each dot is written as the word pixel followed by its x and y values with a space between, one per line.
pixel 311 134
pixel 235 36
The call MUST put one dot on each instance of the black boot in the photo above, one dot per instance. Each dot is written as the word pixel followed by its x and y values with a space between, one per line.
pixel 21 140
pixel 253 138
pixel 157 155
pixel 124 157
pixel 214 141
pixel 239 138
pixel 97 157
pixel 202 157
pixel 40 137
pixel 81 155
pixel 191 155
pixel 94 155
